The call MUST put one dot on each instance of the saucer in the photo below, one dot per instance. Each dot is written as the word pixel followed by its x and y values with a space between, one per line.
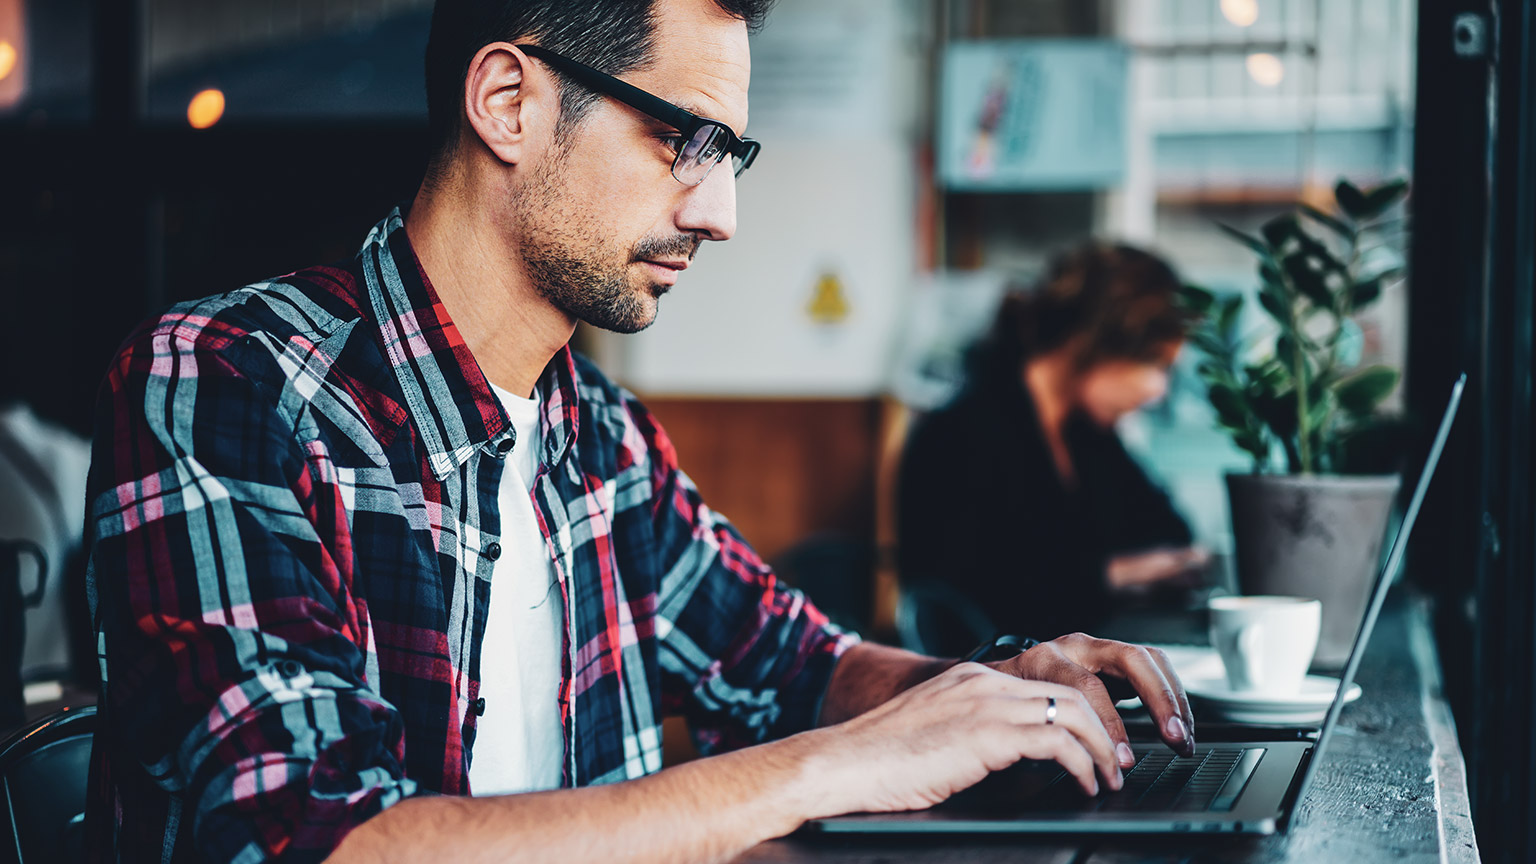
pixel 1307 706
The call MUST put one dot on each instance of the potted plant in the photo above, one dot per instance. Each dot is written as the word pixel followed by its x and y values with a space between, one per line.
pixel 1299 391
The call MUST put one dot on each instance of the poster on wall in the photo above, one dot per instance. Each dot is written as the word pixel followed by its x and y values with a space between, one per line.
pixel 1027 115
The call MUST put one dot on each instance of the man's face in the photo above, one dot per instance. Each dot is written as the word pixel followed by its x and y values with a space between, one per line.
pixel 603 226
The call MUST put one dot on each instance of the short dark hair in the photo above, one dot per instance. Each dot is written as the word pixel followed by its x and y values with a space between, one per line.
pixel 1116 302
pixel 615 36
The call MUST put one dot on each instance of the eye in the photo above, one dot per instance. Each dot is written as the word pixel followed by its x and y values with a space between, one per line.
pixel 673 141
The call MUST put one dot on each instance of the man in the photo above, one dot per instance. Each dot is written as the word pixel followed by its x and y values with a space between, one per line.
pixel 305 490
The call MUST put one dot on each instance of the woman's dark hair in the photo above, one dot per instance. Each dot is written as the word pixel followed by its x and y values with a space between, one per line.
pixel 615 36
pixel 1108 302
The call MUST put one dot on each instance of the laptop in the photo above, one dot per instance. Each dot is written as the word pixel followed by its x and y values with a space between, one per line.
pixel 1248 784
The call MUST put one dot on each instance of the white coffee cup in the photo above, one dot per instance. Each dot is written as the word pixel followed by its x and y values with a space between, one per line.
pixel 1265 642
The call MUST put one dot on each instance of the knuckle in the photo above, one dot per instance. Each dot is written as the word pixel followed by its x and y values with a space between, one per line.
pixel 1090 685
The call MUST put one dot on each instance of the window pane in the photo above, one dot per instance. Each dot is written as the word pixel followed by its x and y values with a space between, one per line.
pixel 285 61
pixel 45 62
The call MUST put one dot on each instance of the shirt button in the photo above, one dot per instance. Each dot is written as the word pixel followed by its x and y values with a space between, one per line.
pixel 493 551
pixel 480 707
pixel 505 445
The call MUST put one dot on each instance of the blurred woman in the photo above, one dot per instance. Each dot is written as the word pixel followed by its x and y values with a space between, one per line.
pixel 1019 494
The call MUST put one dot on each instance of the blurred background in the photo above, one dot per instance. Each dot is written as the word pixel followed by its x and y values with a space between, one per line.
pixel 153 151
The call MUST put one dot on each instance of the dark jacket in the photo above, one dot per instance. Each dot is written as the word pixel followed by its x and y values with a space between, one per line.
pixel 983 510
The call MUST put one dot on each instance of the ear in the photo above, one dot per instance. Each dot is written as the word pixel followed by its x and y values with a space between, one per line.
pixel 502 105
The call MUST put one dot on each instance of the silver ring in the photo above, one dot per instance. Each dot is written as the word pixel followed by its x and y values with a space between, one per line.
pixel 1050 710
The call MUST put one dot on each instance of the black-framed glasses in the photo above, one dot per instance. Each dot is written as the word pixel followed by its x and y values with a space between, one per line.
pixel 704 142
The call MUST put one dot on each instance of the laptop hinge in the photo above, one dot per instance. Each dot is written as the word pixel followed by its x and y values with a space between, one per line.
pixel 1291 803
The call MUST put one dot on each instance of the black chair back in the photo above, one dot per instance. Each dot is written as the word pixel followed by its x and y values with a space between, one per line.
pixel 43 773
pixel 937 620
pixel 836 572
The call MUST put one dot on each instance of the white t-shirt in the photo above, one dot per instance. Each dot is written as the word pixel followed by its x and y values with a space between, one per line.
pixel 519 745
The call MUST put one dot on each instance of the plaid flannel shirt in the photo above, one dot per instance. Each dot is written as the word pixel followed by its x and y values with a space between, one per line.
pixel 292 525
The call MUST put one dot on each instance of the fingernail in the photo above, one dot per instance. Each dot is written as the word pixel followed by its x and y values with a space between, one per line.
pixel 1127 758
pixel 1176 729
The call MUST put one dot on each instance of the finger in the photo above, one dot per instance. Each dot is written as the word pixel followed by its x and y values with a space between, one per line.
pixel 1160 657
pixel 1063 671
pixel 1059 745
pixel 1073 713
pixel 1163 700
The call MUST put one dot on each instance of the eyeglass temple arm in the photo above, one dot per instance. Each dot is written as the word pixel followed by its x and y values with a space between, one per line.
pixel 678 118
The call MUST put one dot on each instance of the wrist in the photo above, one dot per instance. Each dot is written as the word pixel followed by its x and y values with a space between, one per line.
pixel 812 788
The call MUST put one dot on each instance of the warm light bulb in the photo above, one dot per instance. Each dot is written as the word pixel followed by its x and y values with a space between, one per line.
pixel 1241 12
pixel 205 109
pixel 7 59
pixel 1266 69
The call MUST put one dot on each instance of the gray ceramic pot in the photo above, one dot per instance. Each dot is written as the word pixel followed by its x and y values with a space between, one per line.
pixel 1312 536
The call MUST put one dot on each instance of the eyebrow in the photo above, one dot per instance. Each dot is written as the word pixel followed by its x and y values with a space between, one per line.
pixel 693 108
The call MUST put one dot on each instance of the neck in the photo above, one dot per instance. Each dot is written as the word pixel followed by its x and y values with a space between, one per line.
pixel 511 329
pixel 1048 379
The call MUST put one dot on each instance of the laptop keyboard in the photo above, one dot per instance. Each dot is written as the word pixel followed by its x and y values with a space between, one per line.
pixel 1163 781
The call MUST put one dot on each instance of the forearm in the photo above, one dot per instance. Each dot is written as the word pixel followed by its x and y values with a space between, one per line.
pixel 707 810
pixel 870 675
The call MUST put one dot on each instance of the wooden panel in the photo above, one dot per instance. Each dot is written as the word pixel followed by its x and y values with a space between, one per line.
pixel 780 469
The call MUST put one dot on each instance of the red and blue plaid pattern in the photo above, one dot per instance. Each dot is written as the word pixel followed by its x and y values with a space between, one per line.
pixel 292 526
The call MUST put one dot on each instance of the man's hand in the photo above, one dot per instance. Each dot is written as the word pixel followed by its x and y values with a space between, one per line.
pixel 902 735
pixel 949 732
pixel 1104 671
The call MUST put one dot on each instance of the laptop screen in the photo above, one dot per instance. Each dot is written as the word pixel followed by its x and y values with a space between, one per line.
pixel 1383 583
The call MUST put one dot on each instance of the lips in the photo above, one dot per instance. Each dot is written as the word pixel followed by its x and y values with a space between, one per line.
pixel 678 266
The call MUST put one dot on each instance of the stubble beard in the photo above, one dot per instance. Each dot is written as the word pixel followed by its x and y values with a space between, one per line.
pixel 564 255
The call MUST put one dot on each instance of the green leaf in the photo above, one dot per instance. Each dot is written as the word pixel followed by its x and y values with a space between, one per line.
pixel 1307 274
pixel 1231 309
pixel 1209 344
pixel 1365 293
pixel 1280 229
pixel 1255 444
pixel 1268 378
pixel 1379 199
pixel 1380 262
pixel 1326 260
pixel 1317 412
pixel 1230 406
pixel 1197 299
pixel 1275 307
pixel 1360 393
pixel 1278 413
pixel 1351 200
pixel 1269 274
pixel 1285 352
pixel 1336 225
pixel 1248 240
pixel 1350 343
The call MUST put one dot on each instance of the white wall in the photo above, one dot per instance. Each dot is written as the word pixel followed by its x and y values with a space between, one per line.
pixel 834 92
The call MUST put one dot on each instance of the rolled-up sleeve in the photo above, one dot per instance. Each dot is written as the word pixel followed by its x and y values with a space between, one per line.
pixel 232 647
pixel 745 657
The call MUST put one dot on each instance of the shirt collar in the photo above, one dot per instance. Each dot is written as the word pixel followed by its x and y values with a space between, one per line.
pixel 449 399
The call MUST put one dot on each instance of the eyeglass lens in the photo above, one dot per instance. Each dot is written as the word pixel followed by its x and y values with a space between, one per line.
pixel 700 153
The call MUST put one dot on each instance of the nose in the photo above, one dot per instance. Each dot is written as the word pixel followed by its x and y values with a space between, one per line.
pixel 709 209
